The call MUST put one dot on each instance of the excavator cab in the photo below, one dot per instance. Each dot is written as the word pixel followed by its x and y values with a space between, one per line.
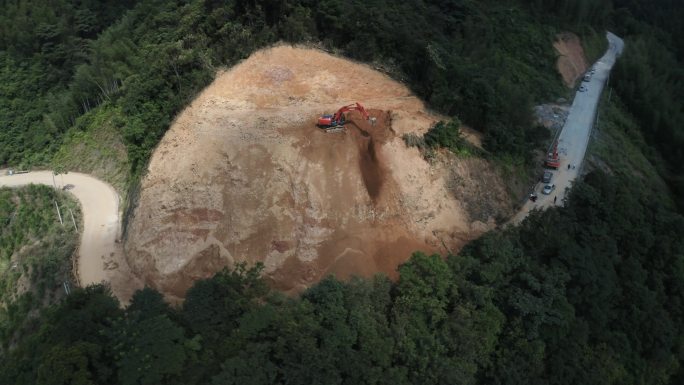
pixel 328 120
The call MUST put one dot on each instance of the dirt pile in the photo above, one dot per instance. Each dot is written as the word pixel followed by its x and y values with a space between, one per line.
pixel 572 63
pixel 245 175
pixel 551 115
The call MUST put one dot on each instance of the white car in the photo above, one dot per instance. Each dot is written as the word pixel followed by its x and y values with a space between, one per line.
pixel 583 89
pixel 548 189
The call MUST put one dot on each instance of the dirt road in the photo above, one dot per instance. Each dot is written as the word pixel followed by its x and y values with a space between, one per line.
pixel 100 255
pixel 574 137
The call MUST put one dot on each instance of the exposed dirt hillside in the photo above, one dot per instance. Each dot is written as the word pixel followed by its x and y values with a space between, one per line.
pixel 245 175
pixel 572 63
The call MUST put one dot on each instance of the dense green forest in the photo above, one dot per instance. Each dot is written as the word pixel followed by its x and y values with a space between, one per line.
pixel 115 73
pixel 592 293
pixel 650 79
pixel 134 65
pixel 35 251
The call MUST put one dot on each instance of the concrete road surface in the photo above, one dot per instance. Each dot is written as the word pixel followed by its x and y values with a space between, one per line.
pixel 101 257
pixel 574 137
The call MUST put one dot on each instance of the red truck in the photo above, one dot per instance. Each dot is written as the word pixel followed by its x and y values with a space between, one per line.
pixel 552 158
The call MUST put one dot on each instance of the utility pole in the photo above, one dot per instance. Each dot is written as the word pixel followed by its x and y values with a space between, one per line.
pixel 59 214
pixel 598 113
pixel 73 220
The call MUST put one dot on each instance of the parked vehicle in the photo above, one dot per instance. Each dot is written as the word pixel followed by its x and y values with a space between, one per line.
pixel 15 172
pixel 552 158
pixel 546 178
pixel 548 189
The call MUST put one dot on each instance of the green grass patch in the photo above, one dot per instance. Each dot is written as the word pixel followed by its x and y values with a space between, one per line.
pixel 446 135
pixel 35 254
pixel 594 44
pixel 94 146
pixel 35 249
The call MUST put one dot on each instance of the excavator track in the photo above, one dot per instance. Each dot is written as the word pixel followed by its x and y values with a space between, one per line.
pixel 336 129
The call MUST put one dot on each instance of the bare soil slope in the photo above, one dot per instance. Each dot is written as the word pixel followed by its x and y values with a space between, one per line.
pixel 245 175
pixel 572 63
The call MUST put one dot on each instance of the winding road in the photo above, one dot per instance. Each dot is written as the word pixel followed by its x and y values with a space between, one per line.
pixel 574 137
pixel 100 255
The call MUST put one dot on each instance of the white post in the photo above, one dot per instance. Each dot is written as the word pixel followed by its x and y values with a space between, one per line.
pixel 59 214
pixel 73 220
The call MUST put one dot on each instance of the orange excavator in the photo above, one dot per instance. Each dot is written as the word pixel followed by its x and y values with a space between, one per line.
pixel 336 121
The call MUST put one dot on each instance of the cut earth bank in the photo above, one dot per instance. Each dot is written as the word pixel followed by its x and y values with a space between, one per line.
pixel 572 63
pixel 244 174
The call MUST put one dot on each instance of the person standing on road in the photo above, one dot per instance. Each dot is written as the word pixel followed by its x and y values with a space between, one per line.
pixel 554 199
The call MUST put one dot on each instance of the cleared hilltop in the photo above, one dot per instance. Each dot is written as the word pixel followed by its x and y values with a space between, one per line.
pixel 244 174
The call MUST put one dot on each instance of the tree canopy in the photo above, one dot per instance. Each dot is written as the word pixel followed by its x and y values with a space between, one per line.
pixel 589 293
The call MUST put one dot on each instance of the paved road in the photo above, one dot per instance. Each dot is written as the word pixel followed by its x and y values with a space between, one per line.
pixel 574 137
pixel 101 257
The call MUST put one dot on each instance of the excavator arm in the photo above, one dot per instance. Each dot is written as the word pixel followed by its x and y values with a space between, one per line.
pixel 362 110
pixel 338 118
pixel 340 113
pixel 356 106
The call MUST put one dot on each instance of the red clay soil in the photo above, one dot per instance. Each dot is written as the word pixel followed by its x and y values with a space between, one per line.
pixel 244 174
pixel 369 138
pixel 571 64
